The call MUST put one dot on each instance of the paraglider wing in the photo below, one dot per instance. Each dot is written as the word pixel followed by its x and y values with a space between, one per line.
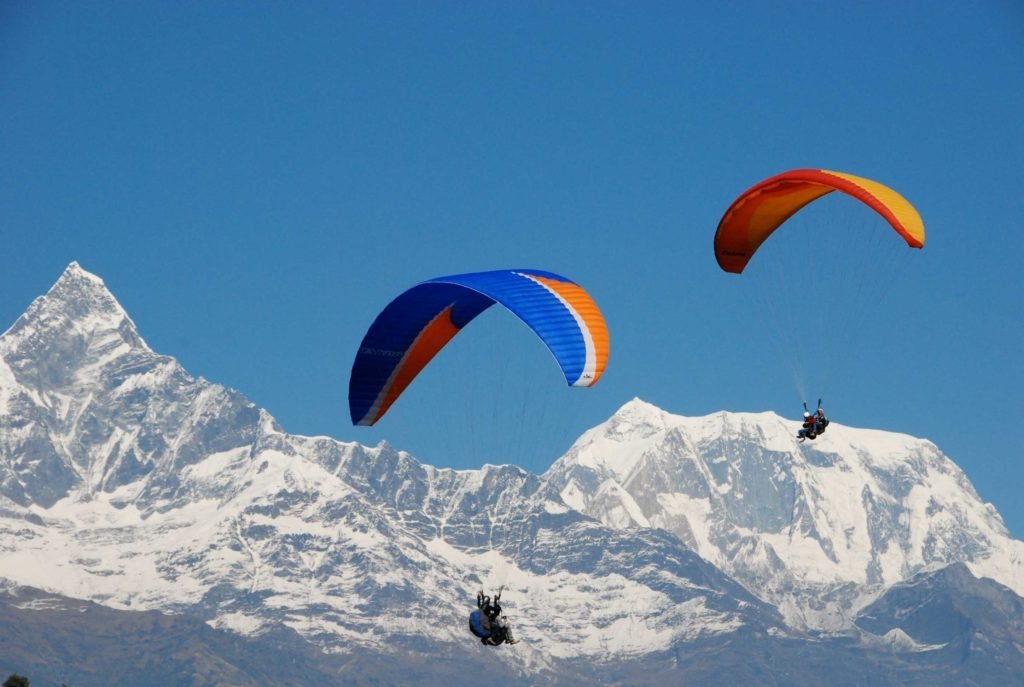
pixel 410 331
pixel 753 216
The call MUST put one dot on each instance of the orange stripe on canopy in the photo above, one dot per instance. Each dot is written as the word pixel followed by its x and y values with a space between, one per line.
pixel 764 207
pixel 430 341
pixel 595 331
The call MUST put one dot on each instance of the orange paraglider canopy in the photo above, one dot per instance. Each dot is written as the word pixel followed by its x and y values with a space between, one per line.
pixel 764 207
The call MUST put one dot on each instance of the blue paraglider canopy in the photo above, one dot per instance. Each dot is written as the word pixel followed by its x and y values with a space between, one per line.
pixel 410 331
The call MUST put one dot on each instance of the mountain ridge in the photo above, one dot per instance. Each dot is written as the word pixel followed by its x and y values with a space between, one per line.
pixel 856 506
pixel 128 482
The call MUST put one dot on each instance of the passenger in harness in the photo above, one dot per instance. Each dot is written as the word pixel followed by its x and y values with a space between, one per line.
pixel 809 429
pixel 488 623
pixel 814 424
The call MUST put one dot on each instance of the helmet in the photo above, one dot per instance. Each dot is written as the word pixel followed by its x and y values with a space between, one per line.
pixel 807 413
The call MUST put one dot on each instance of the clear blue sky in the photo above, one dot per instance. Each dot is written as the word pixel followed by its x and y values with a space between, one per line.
pixel 255 181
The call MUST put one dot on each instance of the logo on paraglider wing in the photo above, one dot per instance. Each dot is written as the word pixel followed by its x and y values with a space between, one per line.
pixel 382 352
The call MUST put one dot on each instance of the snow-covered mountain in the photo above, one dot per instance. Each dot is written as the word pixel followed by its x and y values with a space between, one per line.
pixel 817 529
pixel 653 544
pixel 129 482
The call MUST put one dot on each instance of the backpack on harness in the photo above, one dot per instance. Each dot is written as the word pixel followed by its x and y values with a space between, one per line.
pixel 479 625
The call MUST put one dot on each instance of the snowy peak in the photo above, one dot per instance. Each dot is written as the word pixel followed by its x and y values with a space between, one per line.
pixel 86 404
pixel 637 414
pixel 619 446
pixel 77 320
pixel 800 524
pixel 629 428
pixel 83 298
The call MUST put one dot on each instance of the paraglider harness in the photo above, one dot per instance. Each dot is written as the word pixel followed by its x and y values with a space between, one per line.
pixel 813 424
pixel 487 621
